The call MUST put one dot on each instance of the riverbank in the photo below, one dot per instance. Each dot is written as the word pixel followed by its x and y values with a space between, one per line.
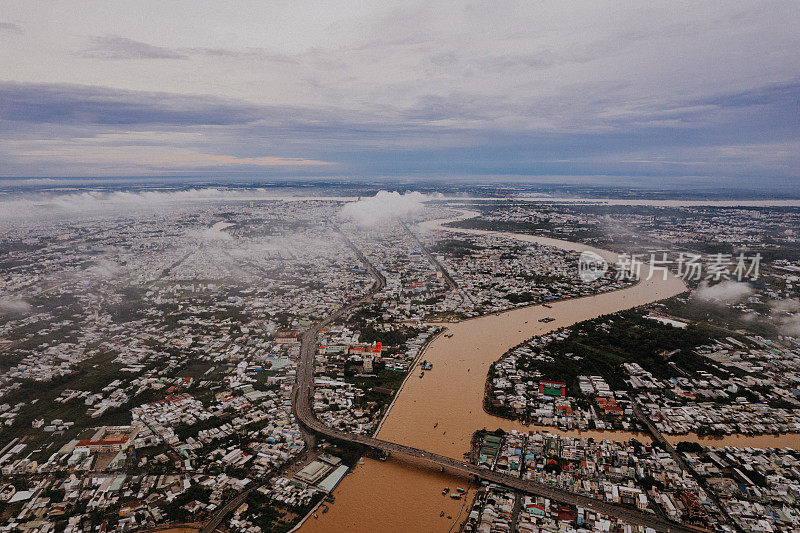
pixel 410 373
pixel 440 412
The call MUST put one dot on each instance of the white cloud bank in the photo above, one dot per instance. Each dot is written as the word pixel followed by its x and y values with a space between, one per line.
pixel 723 292
pixel 385 207
pixel 13 306
pixel 786 314
pixel 113 203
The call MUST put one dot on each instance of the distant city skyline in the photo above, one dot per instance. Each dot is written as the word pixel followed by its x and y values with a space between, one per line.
pixel 587 92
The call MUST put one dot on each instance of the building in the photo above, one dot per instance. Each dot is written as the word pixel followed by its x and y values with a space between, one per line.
pixel 552 388
pixel 109 439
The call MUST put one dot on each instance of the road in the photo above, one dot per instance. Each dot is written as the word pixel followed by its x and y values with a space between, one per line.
pixel 229 507
pixel 304 382
pixel 659 437
pixel 307 417
pixel 215 521
pixel 451 283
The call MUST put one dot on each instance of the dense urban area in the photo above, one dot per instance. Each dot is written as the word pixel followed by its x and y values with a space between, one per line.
pixel 150 355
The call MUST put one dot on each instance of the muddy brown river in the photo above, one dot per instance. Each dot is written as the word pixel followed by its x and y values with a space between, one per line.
pixel 441 411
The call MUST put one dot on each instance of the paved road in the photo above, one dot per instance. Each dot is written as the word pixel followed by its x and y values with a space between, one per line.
pixel 451 283
pixel 303 399
pixel 304 384
pixel 229 507
pixel 530 487
pixel 659 437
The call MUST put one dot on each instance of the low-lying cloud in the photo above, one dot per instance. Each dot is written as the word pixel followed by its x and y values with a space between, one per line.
pixel 114 203
pixel 785 314
pixel 103 269
pixel 384 208
pixel 723 292
pixel 13 306
pixel 212 234
pixel 789 325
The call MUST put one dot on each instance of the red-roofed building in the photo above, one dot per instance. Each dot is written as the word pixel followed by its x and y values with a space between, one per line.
pixel 286 336
pixel 109 439
pixel 567 514
pixel 608 406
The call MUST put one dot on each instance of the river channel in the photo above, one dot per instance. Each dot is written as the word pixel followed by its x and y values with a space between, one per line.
pixel 441 411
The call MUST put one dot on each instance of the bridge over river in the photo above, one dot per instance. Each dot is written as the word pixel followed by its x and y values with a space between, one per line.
pixel 302 405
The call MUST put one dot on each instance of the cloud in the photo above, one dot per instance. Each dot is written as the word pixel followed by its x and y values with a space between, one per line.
pixel 104 269
pixel 85 105
pixel 211 235
pixel 723 292
pixel 244 53
pixel 295 246
pixel 385 207
pixel 28 182
pixel 98 203
pixel 115 47
pixel 13 306
pixel 95 202
pixel 791 305
pixel 536 88
pixel 786 315
pixel 46 129
pixel 790 325
pixel 167 158
pixel 10 27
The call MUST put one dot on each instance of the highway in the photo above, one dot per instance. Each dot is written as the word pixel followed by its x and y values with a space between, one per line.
pixel 451 283
pixel 303 411
pixel 307 417
pixel 304 384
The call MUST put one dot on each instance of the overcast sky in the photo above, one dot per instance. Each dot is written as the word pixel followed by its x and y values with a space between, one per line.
pixel 673 89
